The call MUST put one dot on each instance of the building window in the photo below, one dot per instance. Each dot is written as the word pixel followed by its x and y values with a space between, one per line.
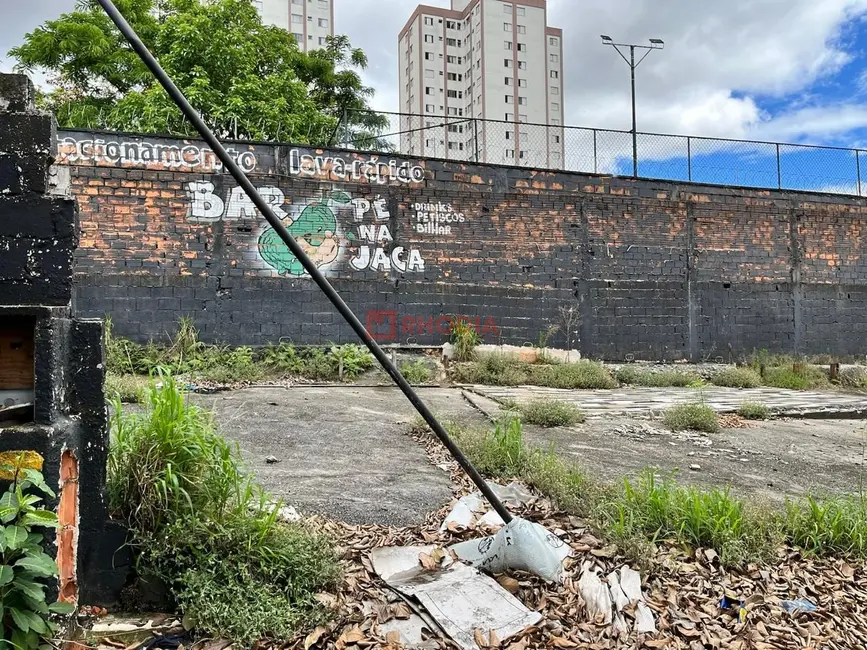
pixel 555 74
pixel 428 56
pixel 450 24
pixel 556 139
pixel 507 63
pixel 522 29
pixel 522 47
pixel 297 20
pixel 552 41
pixel 429 108
pixel 555 107
pixel 454 76
pixel 508 135
pixel 429 74
pixel 299 38
pixel 428 21
pixel 522 101
pixel 509 99
pixel 555 58
pixel 522 154
pixel 456 94
pixel 297 2
pixel 522 83
pixel 522 65
pixel 510 117
pixel 453 42
pixel 507 8
pixel 555 121
pixel 428 38
pixel 522 11
pixel 509 81
pixel 323 40
pixel 555 90
pixel 510 153
pixel 309 19
pixel 507 45
pixel 507 27
pixel 522 118
pixel 428 90
pixel 323 22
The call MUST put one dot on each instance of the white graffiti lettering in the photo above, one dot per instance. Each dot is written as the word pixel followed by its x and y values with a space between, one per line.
pixel 207 206
pixel 436 218
pixel 338 169
pixel 379 260
pixel 147 154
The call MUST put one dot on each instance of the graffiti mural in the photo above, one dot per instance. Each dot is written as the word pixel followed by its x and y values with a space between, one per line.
pixel 337 231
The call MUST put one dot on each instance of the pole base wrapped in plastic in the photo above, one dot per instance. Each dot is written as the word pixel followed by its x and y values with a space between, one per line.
pixel 520 545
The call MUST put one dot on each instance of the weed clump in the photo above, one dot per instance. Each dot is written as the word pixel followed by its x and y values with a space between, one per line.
pixel 737 378
pixel 551 413
pixel 695 417
pixel 199 522
pixel 128 389
pixel 634 376
pixel 831 526
pixel 465 339
pixel 416 372
pixel 754 411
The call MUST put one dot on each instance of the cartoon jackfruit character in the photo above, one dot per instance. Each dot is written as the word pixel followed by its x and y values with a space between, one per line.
pixel 315 229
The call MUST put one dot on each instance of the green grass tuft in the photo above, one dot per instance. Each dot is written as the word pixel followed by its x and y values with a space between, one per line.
pixel 737 378
pixel 128 389
pixel 830 526
pixel 200 523
pixel 416 372
pixel 551 413
pixel 754 411
pixel 695 416
pixel 634 376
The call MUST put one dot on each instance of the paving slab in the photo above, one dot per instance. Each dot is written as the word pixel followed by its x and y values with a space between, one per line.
pixel 632 401
pixel 343 451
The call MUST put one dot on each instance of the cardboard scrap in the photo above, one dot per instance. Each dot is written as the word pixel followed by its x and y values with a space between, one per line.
pixel 461 600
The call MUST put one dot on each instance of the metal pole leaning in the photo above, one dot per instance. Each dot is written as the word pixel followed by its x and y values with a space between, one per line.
pixel 178 98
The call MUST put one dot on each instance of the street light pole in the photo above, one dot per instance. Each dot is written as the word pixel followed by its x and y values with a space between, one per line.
pixel 655 44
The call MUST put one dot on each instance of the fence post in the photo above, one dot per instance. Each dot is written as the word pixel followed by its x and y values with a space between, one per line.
pixel 689 158
pixel 779 170
pixel 476 137
pixel 858 168
pixel 595 165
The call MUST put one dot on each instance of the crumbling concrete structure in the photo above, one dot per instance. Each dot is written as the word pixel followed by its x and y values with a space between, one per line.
pixel 52 404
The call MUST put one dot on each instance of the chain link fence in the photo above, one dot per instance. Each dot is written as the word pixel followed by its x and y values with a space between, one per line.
pixel 714 161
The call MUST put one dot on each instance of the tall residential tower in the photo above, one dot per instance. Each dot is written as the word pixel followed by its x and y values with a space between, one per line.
pixel 310 21
pixel 493 60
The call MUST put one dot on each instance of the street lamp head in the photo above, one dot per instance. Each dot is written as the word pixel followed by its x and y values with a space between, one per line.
pixel 657 43
pixel 606 39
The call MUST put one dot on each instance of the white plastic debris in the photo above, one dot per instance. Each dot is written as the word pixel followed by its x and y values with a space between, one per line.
pixel 620 601
pixel 596 596
pixel 520 545
pixel 630 582
pixel 458 598
pixel 473 507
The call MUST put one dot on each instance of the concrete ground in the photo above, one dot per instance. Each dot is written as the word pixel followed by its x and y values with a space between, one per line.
pixel 343 451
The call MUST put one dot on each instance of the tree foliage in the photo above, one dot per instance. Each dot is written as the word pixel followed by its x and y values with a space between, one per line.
pixel 248 80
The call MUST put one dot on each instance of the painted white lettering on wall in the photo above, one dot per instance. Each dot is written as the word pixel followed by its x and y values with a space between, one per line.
pixel 205 205
pixel 139 153
pixel 338 169
pixel 436 218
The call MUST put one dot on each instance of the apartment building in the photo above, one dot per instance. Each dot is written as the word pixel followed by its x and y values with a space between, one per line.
pixel 310 21
pixel 494 60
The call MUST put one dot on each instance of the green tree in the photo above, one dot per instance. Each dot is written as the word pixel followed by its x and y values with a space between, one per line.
pixel 248 80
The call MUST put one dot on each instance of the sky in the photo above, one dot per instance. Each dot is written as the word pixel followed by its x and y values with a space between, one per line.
pixel 789 70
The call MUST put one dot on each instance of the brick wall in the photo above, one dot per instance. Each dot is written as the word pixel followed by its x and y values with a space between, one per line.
pixel 657 270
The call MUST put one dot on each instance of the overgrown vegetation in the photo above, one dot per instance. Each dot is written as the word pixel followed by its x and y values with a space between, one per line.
pixel 24 566
pixel 465 339
pixel 754 411
pixel 187 355
pixel 737 378
pixel 128 389
pixel 200 523
pixel 416 372
pixel 797 377
pixel 551 413
pixel 507 370
pixel 637 376
pixel 638 513
pixel 695 416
